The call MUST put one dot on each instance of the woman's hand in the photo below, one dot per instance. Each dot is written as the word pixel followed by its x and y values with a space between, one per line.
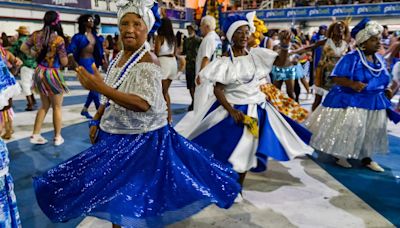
pixel 18 62
pixel 389 93
pixel 237 115
pixel 90 81
pixel 93 133
pixel 285 37
pixel 358 86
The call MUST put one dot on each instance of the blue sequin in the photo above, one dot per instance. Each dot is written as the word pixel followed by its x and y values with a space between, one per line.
pixel 145 180
pixel 9 215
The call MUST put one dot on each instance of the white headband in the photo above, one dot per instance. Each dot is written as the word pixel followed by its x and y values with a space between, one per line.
pixel 139 7
pixel 235 25
pixel 371 29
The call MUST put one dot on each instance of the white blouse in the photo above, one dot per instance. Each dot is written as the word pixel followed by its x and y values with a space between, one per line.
pixel 242 75
pixel 144 80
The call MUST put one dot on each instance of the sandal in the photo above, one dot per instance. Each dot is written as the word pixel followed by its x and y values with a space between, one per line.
pixel 38 139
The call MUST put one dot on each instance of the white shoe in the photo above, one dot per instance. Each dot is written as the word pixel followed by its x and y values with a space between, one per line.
pixel 239 198
pixel 375 167
pixel 343 162
pixel 38 139
pixel 58 141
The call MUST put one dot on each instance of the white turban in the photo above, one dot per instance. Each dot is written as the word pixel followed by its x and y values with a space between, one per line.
pixel 139 7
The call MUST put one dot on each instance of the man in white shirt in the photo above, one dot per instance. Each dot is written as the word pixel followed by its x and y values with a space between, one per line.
pixel 211 45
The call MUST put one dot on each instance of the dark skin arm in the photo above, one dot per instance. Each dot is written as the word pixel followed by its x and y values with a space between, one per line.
pixel 93 129
pixel 280 61
pixel 95 82
pixel 355 85
pixel 237 115
pixel 309 47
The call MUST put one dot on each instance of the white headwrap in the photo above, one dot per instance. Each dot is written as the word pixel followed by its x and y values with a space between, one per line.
pixel 235 25
pixel 371 29
pixel 139 7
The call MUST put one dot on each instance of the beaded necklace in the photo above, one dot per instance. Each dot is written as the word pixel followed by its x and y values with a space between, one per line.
pixel 116 81
pixel 373 71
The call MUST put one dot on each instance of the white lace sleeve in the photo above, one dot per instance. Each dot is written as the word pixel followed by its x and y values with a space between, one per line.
pixel 146 84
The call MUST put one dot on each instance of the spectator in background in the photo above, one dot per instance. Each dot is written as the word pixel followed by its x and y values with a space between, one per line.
pixel 190 49
pixel 28 67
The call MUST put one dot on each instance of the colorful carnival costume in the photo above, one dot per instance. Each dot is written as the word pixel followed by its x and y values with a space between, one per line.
pixel 140 173
pixel 9 216
pixel 8 89
pixel 330 56
pixel 283 103
pixel 48 78
pixel 279 100
pixel 8 85
pixel 353 124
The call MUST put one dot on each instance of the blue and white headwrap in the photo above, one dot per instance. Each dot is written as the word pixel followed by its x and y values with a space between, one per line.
pixel 365 29
pixel 232 23
pixel 147 9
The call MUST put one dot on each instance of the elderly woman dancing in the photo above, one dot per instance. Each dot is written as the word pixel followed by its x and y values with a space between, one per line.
pixel 352 122
pixel 139 172
pixel 229 124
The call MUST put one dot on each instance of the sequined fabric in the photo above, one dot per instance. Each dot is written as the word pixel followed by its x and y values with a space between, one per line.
pixel 284 104
pixel 9 216
pixel 144 80
pixel 349 133
pixel 143 180
pixel 283 73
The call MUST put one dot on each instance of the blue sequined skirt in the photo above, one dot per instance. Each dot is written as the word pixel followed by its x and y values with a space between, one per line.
pixel 145 180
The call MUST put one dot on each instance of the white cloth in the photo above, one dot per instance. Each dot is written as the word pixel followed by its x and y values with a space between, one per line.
pixel 243 158
pixel 144 80
pixel 169 68
pixel 210 47
pixel 241 75
pixel 166 49
pixel 139 7
pixel 26 80
pixel 225 71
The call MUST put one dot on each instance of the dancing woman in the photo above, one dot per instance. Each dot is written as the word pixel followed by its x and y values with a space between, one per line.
pixel 352 121
pixel 236 79
pixel 335 47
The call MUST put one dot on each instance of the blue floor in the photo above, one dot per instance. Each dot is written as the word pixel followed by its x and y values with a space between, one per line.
pixel 380 190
